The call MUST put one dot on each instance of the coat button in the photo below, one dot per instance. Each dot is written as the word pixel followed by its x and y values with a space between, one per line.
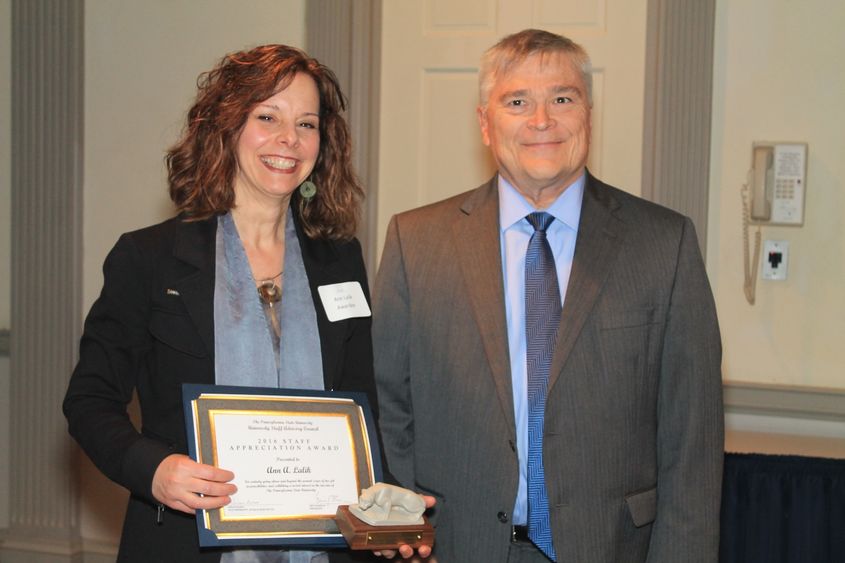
pixel 503 517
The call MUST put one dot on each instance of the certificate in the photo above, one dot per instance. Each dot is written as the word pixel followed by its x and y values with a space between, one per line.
pixel 296 455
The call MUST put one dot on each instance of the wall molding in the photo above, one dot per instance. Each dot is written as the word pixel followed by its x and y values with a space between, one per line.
pixel 346 37
pixel 677 113
pixel 786 401
pixel 46 232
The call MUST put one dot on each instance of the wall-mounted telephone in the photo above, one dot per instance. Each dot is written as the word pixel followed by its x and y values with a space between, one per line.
pixel 773 195
pixel 778 183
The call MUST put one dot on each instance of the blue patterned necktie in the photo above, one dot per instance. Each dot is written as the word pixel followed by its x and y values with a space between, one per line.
pixel 542 317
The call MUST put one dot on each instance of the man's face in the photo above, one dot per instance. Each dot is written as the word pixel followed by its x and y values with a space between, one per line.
pixel 537 123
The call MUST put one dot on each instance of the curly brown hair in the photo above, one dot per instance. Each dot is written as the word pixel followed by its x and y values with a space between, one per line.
pixel 202 164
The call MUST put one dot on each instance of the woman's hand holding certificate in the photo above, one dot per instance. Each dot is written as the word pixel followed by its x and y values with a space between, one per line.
pixel 183 484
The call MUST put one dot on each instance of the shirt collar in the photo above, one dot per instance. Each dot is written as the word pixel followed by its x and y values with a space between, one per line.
pixel 513 207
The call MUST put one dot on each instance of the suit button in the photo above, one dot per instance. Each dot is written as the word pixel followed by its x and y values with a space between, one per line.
pixel 503 517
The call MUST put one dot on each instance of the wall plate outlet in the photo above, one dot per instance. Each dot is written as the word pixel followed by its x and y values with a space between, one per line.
pixel 775 259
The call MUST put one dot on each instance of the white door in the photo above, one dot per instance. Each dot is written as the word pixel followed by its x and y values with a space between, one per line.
pixel 430 144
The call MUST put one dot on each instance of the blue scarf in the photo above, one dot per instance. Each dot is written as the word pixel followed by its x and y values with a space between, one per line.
pixel 243 349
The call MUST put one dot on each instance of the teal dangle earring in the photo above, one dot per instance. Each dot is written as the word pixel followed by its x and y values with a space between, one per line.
pixel 307 190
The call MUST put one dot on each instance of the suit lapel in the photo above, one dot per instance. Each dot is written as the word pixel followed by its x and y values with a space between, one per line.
pixel 476 235
pixel 195 246
pixel 599 234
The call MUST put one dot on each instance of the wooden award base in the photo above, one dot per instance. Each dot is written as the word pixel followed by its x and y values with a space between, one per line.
pixel 360 535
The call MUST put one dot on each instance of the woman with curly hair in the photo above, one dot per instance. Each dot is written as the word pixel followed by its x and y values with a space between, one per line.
pixel 225 293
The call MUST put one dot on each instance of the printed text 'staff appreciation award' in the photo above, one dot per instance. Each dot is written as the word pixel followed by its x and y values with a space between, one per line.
pixel 296 455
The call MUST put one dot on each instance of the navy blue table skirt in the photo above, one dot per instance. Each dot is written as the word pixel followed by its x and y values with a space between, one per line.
pixel 782 509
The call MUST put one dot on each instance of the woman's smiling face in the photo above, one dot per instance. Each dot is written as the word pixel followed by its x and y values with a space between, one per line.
pixel 280 142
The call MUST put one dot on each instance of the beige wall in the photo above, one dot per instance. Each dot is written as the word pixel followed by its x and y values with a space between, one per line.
pixel 141 64
pixel 778 77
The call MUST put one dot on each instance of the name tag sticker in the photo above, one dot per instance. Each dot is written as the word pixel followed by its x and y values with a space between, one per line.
pixel 344 301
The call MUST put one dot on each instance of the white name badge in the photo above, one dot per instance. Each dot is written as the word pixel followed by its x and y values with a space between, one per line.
pixel 344 301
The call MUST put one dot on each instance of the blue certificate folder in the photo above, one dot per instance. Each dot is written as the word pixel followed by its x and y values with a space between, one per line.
pixel 214 418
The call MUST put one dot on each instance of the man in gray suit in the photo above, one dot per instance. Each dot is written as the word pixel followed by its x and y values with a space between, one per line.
pixel 547 350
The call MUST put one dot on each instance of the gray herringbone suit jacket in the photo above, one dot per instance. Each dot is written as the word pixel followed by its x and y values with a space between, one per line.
pixel 633 428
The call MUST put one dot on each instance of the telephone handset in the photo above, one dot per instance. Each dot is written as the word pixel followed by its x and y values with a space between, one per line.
pixel 761 207
pixel 778 183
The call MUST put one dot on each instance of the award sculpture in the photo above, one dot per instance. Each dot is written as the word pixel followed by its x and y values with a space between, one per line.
pixel 385 517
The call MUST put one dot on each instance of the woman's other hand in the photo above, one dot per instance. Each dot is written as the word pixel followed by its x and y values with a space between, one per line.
pixel 183 484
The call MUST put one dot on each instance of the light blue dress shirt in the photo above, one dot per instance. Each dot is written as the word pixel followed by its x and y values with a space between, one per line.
pixel 515 232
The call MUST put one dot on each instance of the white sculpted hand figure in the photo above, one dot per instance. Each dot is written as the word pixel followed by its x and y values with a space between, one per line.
pixel 388 505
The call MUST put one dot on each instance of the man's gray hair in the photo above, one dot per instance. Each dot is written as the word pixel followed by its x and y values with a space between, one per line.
pixel 515 48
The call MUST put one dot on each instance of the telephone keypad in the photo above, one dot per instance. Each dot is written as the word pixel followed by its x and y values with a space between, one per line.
pixel 784 188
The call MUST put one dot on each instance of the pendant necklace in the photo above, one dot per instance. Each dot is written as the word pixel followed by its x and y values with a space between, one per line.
pixel 269 291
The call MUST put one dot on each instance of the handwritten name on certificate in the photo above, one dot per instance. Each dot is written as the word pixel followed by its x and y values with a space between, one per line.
pixel 285 465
